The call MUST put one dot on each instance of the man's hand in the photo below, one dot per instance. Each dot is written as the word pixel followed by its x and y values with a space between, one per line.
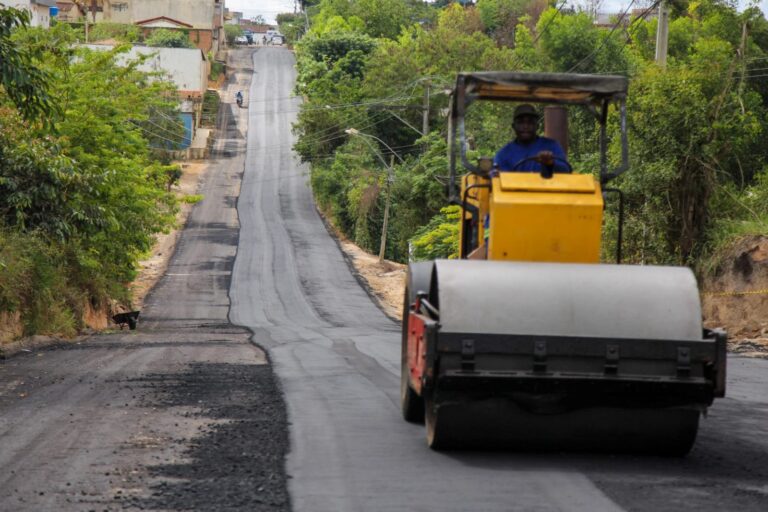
pixel 546 158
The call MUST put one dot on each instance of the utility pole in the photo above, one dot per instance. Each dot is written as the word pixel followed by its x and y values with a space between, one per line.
pixel 390 178
pixel 662 35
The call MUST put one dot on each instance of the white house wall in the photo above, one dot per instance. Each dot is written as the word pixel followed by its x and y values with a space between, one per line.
pixel 185 67
pixel 198 13
pixel 40 14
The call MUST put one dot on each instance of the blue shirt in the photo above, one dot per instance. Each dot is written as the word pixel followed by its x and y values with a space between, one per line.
pixel 514 152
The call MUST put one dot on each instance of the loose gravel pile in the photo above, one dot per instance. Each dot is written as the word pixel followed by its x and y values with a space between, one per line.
pixel 237 463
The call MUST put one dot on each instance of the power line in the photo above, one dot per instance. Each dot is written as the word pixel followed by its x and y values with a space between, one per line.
pixel 605 41
pixel 551 20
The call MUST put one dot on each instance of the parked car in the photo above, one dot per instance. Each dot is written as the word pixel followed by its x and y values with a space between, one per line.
pixel 278 39
pixel 241 40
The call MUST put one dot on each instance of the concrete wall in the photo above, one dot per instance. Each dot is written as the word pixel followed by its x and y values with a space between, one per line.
pixel 187 68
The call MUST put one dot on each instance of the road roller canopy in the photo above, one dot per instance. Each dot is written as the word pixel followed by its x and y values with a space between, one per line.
pixel 558 88
pixel 594 92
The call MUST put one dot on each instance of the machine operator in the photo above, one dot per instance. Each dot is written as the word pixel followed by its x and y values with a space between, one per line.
pixel 530 152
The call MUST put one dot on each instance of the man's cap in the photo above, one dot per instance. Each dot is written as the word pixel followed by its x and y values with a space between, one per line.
pixel 525 110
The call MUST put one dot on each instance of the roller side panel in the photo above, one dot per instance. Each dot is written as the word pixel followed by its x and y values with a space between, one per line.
pixel 413 329
pixel 580 370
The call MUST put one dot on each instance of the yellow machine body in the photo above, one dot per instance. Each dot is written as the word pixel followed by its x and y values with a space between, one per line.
pixel 531 218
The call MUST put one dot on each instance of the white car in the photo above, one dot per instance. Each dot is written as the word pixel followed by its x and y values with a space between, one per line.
pixel 278 39
pixel 241 40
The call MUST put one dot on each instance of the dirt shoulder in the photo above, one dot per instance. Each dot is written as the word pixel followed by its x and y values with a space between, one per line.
pixel 735 296
pixel 384 281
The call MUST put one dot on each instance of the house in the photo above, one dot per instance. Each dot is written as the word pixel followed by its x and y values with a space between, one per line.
pixel 203 20
pixel 71 12
pixel 186 68
pixel 67 12
pixel 256 28
pixel 232 17
pixel 39 10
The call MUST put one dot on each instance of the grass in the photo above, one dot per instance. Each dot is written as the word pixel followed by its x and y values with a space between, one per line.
pixel 192 198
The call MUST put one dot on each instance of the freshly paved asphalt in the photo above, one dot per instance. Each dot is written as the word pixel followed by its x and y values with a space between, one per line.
pixel 337 357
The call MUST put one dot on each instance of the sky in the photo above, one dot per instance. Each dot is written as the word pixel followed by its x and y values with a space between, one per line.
pixel 267 8
pixel 271 8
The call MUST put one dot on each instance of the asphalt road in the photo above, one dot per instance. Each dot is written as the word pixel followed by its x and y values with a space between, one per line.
pixel 337 357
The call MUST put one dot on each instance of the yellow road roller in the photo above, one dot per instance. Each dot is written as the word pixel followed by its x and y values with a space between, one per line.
pixel 528 341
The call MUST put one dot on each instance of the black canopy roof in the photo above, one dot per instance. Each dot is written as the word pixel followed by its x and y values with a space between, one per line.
pixel 540 87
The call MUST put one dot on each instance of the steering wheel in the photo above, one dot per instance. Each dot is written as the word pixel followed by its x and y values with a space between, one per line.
pixel 516 166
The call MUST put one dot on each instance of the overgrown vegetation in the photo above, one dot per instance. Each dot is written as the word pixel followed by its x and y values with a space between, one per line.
pixel 121 32
pixel 168 38
pixel 291 25
pixel 211 103
pixel 232 32
pixel 82 191
pixel 698 162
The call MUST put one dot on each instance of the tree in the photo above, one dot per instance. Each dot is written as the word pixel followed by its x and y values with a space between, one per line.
pixel 25 84
pixel 232 32
pixel 168 38
pixel 93 183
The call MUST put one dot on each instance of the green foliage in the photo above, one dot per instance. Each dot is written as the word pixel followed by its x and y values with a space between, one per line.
pixel 23 83
pixel 36 281
pixel 192 198
pixel 291 25
pixel 440 237
pixel 122 32
pixel 217 69
pixel 375 18
pixel 168 38
pixel 696 129
pixel 89 196
pixel 741 213
pixel 330 68
pixel 232 32
pixel 498 15
pixel 211 103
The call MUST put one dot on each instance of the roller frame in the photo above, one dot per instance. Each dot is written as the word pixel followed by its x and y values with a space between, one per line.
pixel 535 374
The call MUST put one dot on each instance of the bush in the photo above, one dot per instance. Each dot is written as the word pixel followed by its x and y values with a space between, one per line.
pixel 167 38
pixel 232 32
pixel 35 282
pixel 439 238
pixel 210 108
pixel 122 32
